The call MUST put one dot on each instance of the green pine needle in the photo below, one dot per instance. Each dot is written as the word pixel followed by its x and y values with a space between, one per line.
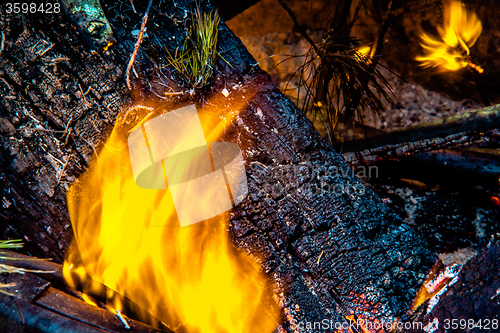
pixel 11 244
pixel 195 61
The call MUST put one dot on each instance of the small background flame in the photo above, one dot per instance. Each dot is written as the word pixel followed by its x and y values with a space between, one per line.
pixel 460 31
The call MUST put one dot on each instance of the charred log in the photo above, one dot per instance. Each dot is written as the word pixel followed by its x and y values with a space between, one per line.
pixel 332 247
pixel 35 306
pixel 448 218
pixel 51 274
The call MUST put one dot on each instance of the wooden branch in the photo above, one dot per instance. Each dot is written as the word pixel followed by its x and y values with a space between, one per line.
pixel 137 43
pixel 299 28
pixel 452 127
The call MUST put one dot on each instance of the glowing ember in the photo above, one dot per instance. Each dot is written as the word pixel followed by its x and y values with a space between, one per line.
pixel 108 45
pixel 435 283
pixel 460 31
pixel 129 238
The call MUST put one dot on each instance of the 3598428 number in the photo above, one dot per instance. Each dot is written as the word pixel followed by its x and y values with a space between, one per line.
pixel 32 8
pixel 484 324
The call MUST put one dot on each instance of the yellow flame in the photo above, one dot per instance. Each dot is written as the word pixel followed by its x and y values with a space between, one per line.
pixel 129 239
pixel 424 293
pixel 88 300
pixel 365 53
pixel 460 31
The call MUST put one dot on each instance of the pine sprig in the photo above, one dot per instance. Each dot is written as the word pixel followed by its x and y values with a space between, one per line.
pixel 195 61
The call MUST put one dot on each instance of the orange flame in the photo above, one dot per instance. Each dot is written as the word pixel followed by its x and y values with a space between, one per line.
pixel 460 31
pixel 365 53
pixel 128 238
pixel 108 45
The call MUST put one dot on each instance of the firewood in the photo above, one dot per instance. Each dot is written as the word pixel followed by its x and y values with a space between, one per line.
pixel 432 133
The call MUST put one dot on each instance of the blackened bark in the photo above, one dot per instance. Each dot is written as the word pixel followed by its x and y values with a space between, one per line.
pixel 57 102
pixel 330 244
pixel 229 9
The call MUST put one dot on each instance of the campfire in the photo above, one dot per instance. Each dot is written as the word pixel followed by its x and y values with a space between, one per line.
pixel 160 180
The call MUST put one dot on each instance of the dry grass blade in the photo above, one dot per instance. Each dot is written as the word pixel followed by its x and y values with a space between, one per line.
pixel 8 269
pixel 12 269
pixel 11 244
pixel 7 285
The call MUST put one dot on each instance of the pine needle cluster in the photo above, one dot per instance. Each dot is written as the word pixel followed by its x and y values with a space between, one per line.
pixel 340 84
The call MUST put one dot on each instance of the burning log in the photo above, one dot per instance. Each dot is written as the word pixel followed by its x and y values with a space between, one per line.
pixel 335 252
pixel 32 304
pixel 52 274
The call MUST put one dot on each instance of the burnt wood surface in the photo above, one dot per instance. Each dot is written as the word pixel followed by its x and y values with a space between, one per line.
pixel 35 306
pixel 471 304
pixel 332 247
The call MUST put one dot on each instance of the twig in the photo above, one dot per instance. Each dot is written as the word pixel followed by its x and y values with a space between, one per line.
pixel 55 159
pixel 379 43
pixel 133 7
pixel 319 258
pixel 67 136
pixel 124 322
pixel 47 50
pixel 66 132
pixel 59 59
pixel 138 43
pixel 87 103
pixel 256 162
pixel 299 28
pixel 19 309
pixel 63 169
pixel 175 93
pixel 87 92
pixel 39 129
pixel 2 43
pixel 6 83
